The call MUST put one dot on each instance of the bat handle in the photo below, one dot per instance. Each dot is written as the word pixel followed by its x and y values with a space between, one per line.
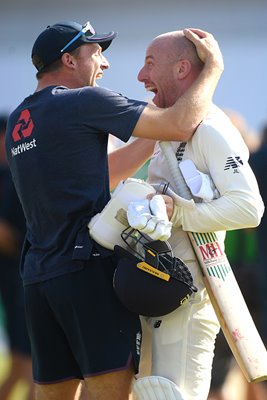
pixel 180 185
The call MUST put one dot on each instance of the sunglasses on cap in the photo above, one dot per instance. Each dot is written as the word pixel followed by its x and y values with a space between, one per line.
pixel 87 29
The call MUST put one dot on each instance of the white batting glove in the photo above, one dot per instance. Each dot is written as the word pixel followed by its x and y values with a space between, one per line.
pixel 138 214
pixel 150 217
pixel 158 207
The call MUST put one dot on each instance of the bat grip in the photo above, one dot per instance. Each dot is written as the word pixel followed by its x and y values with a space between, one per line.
pixel 181 187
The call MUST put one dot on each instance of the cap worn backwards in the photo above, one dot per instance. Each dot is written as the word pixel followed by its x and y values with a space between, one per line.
pixel 64 37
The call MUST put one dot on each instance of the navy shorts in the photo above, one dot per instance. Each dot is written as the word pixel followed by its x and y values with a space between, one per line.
pixel 77 326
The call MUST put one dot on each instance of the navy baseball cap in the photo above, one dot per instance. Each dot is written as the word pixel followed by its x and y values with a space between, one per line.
pixel 64 37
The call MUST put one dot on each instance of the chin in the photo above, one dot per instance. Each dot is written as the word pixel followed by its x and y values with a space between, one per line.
pixel 159 105
pixel 157 102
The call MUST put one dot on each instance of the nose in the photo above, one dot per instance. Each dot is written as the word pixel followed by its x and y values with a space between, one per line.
pixel 104 63
pixel 141 75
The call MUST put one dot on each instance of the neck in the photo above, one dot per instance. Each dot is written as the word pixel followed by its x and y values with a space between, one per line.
pixel 56 79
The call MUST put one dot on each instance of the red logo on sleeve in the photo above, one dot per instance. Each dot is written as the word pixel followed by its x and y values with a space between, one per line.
pixel 23 127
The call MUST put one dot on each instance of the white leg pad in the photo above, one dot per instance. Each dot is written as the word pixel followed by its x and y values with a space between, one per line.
pixel 156 388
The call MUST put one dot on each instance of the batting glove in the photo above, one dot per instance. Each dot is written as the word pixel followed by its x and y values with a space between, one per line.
pixel 150 217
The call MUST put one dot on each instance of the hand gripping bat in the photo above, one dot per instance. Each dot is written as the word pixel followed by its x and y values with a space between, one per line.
pixel 225 295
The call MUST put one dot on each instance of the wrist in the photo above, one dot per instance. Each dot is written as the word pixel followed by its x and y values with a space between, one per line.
pixel 214 65
pixel 176 218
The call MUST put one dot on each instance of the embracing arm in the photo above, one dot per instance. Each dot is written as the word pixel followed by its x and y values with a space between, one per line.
pixel 126 160
pixel 181 120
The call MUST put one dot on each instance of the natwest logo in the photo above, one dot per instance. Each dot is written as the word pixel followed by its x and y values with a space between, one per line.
pixel 23 127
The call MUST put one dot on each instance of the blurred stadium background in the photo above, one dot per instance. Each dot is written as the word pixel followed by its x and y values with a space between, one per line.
pixel 239 26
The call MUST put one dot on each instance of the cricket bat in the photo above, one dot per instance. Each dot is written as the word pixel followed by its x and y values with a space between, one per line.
pixel 225 295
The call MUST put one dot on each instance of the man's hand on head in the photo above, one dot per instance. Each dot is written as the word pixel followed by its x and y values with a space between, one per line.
pixel 207 47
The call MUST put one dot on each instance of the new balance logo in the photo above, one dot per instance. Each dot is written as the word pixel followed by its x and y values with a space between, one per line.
pixel 234 163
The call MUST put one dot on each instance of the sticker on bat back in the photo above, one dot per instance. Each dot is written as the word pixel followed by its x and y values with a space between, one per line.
pixel 213 257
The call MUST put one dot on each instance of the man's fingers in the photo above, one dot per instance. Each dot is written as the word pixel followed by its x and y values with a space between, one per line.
pixel 198 36
pixel 207 47
pixel 194 33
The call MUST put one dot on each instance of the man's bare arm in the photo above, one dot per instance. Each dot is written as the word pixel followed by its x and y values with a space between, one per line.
pixel 126 160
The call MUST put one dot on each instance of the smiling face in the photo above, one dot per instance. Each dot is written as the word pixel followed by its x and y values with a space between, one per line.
pixel 90 64
pixel 168 70
pixel 80 68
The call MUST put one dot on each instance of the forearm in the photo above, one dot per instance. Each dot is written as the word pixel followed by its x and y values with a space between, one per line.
pixel 126 160
pixel 236 211
pixel 197 99
pixel 198 96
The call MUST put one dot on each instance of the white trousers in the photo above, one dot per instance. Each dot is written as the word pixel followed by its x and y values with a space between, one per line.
pixel 180 346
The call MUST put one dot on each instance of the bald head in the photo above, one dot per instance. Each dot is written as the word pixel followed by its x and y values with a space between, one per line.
pixel 171 66
pixel 175 46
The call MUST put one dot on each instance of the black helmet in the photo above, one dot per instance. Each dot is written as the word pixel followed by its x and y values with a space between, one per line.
pixel 148 280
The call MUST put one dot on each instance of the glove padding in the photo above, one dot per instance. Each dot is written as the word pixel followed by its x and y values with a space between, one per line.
pixel 150 217
pixel 201 185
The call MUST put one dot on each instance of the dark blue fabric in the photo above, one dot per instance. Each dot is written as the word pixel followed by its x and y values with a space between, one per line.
pixel 11 290
pixel 258 162
pixel 78 327
pixel 57 151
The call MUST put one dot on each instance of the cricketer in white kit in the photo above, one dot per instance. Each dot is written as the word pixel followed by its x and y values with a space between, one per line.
pixel 181 344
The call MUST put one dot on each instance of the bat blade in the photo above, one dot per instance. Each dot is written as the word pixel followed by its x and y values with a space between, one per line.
pixel 225 295
pixel 231 309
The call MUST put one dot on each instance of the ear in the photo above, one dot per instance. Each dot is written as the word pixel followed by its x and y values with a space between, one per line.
pixel 68 60
pixel 183 68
